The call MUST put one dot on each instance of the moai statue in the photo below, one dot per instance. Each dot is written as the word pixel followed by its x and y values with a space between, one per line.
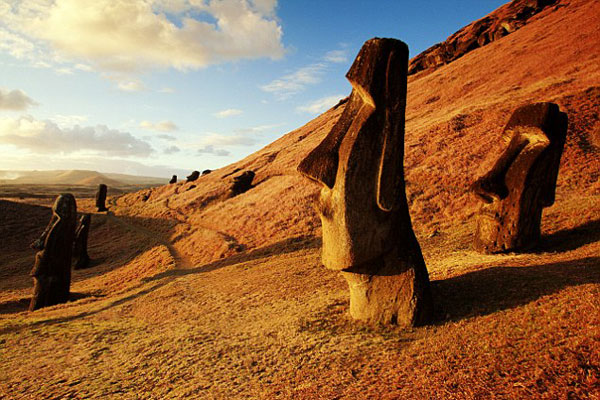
pixel 206 172
pixel 81 239
pixel 367 232
pixel 523 180
pixel 193 176
pixel 173 179
pixel 52 269
pixel 242 183
pixel 101 197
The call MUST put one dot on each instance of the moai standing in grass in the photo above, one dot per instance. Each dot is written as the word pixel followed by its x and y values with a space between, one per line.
pixel 52 269
pixel 173 179
pixel 101 197
pixel 522 181
pixel 81 240
pixel 367 232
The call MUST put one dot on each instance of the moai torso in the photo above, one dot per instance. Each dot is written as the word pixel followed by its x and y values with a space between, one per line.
pixel 522 181
pixel 52 269
pixel 101 197
pixel 367 232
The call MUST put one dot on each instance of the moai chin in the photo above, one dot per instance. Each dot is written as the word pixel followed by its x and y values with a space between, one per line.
pixel 101 197
pixel 52 269
pixel 81 239
pixel 522 181
pixel 367 232
pixel 173 179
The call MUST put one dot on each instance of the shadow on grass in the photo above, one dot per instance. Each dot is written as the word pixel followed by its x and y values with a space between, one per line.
pixel 500 288
pixel 570 239
pixel 22 304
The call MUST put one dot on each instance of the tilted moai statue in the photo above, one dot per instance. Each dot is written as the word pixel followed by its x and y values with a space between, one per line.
pixel 81 239
pixel 193 176
pixel 173 179
pixel 522 181
pixel 52 269
pixel 242 183
pixel 101 197
pixel 367 232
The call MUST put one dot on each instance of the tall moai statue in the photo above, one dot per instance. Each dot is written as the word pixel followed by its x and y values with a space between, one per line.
pixel 367 231
pixel 52 269
pixel 522 181
pixel 173 179
pixel 81 240
pixel 101 197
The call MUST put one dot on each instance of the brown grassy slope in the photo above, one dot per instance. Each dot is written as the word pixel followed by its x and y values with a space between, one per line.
pixel 454 121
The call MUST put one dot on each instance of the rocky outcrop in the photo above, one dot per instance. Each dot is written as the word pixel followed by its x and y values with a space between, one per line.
pixel 496 25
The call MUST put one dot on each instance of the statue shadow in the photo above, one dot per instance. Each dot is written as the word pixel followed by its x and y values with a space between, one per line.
pixel 487 291
pixel 22 304
pixel 569 239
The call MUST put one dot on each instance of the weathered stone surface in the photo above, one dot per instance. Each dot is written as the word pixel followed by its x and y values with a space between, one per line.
pixel 193 176
pixel 498 24
pixel 101 197
pixel 522 181
pixel 242 183
pixel 173 179
pixel 367 232
pixel 52 269
pixel 81 240
pixel 206 172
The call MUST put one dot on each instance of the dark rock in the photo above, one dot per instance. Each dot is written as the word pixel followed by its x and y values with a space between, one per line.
pixel 242 183
pixel 193 176
pixel 522 181
pixel 173 179
pixel 206 172
pixel 81 239
pixel 101 197
pixel 367 232
pixel 52 269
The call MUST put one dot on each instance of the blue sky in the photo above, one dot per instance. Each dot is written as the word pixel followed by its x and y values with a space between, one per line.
pixel 155 87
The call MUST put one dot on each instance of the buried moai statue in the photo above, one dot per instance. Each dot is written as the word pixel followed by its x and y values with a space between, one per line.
pixel 81 239
pixel 52 269
pixel 367 232
pixel 101 197
pixel 242 183
pixel 173 179
pixel 522 181
pixel 193 176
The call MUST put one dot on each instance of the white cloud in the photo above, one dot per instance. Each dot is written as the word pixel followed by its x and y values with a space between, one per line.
pixel 162 126
pixel 295 82
pixel 320 105
pixel 230 112
pixel 166 90
pixel 336 56
pixel 136 35
pixel 46 137
pixel 215 139
pixel 166 137
pixel 15 100
pixel 171 150
pixel 68 120
pixel 131 86
pixel 212 150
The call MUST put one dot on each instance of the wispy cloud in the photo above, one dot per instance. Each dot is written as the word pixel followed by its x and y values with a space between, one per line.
pixel 166 90
pixel 320 105
pixel 296 82
pixel 46 137
pixel 162 126
pixel 171 150
pixel 68 120
pixel 131 86
pixel 336 56
pixel 216 139
pixel 230 112
pixel 15 100
pixel 170 138
pixel 213 151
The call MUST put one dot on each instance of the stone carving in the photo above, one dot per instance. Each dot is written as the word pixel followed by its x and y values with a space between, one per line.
pixel 242 183
pixel 173 179
pixel 367 231
pixel 206 172
pixel 522 181
pixel 101 197
pixel 52 269
pixel 193 176
pixel 81 239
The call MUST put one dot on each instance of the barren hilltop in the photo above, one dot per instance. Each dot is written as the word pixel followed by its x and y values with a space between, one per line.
pixel 197 294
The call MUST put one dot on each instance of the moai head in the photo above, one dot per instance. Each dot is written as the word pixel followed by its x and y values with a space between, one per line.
pixel 193 176
pixel 360 163
pixel 367 233
pixel 173 179
pixel 65 208
pixel 101 197
pixel 522 181
pixel 242 183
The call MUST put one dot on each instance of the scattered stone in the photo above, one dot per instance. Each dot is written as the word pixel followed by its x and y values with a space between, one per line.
pixel 522 181
pixel 81 239
pixel 52 269
pixel 193 176
pixel 367 232
pixel 101 197
pixel 173 179
pixel 242 183
pixel 206 172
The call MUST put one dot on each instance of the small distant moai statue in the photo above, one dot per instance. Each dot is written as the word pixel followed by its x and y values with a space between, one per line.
pixel 81 239
pixel 367 231
pixel 206 172
pixel 52 269
pixel 173 179
pixel 522 181
pixel 101 197
pixel 242 183
pixel 193 176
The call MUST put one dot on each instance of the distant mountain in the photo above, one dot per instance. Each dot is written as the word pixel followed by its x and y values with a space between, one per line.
pixel 75 177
